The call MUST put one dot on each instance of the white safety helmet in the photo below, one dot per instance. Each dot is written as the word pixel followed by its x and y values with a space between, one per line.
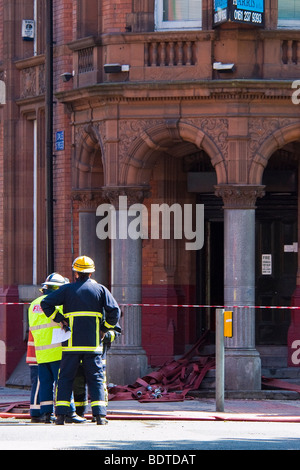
pixel 54 281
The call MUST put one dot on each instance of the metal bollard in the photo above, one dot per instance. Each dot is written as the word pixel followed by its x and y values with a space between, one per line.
pixel 220 360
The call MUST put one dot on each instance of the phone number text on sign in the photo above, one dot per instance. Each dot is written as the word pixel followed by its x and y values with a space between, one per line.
pixel 248 16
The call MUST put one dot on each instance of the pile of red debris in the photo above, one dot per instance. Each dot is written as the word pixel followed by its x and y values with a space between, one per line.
pixel 171 382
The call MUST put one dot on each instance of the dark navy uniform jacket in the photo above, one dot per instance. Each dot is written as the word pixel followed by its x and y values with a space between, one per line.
pixel 89 308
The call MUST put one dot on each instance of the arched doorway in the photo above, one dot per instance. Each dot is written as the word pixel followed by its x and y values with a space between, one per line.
pixel 170 158
pixel 276 164
pixel 277 245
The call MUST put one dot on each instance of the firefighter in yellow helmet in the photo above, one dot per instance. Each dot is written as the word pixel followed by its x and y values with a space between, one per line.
pixel 85 305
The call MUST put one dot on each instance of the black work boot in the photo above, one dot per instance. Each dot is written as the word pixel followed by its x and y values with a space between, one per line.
pixel 60 419
pixel 48 418
pixel 101 420
pixel 37 419
pixel 74 418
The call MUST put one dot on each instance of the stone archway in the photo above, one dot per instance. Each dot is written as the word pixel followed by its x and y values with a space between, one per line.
pixel 164 143
pixel 88 168
pixel 267 146
pixel 166 137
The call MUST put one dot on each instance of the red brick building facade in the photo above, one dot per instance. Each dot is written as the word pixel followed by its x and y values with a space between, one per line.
pixel 170 126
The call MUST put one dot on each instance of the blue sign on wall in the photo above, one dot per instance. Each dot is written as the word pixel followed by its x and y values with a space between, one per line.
pixel 252 5
pixel 220 11
pixel 239 11
pixel 219 4
pixel 60 140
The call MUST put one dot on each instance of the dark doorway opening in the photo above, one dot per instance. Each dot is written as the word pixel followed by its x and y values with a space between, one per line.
pixel 276 247
pixel 210 264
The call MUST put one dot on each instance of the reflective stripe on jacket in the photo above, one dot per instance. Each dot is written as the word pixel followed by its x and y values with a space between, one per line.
pixel 42 328
pixel 81 323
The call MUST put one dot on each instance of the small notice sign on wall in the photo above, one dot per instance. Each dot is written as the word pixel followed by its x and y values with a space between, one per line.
pixel 291 248
pixel 60 140
pixel 266 265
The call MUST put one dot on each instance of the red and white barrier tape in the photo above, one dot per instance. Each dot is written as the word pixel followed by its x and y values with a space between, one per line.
pixel 209 306
pixel 14 303
pixel 186 306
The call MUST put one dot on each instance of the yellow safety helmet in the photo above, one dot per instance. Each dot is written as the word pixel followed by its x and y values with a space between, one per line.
pixel 83 264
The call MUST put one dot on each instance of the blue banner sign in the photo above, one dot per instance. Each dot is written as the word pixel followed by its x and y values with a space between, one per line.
pixel 239 11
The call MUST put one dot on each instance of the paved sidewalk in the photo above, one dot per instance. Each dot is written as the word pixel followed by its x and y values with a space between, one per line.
pixel 191 409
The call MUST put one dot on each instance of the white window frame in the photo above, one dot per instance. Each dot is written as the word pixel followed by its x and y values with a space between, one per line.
pixel 161 25
pixel 289 24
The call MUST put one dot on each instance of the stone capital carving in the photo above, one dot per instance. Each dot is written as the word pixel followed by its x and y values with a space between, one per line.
pixel 87 199
pixel 237 196
pixel 133 194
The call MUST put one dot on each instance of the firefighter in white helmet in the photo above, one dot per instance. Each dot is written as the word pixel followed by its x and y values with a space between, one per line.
pixel 84 305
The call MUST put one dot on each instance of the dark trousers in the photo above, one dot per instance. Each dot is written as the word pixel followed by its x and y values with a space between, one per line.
pixel 80 387
pixel 80 391
pixel 48 373
pixel 94 374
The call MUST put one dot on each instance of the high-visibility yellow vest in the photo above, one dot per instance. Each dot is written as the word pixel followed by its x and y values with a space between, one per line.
pixel 42 329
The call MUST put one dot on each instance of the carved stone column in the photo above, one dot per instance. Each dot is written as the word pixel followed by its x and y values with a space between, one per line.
pixel 89 244
pixel 242 361
pixel 128 360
